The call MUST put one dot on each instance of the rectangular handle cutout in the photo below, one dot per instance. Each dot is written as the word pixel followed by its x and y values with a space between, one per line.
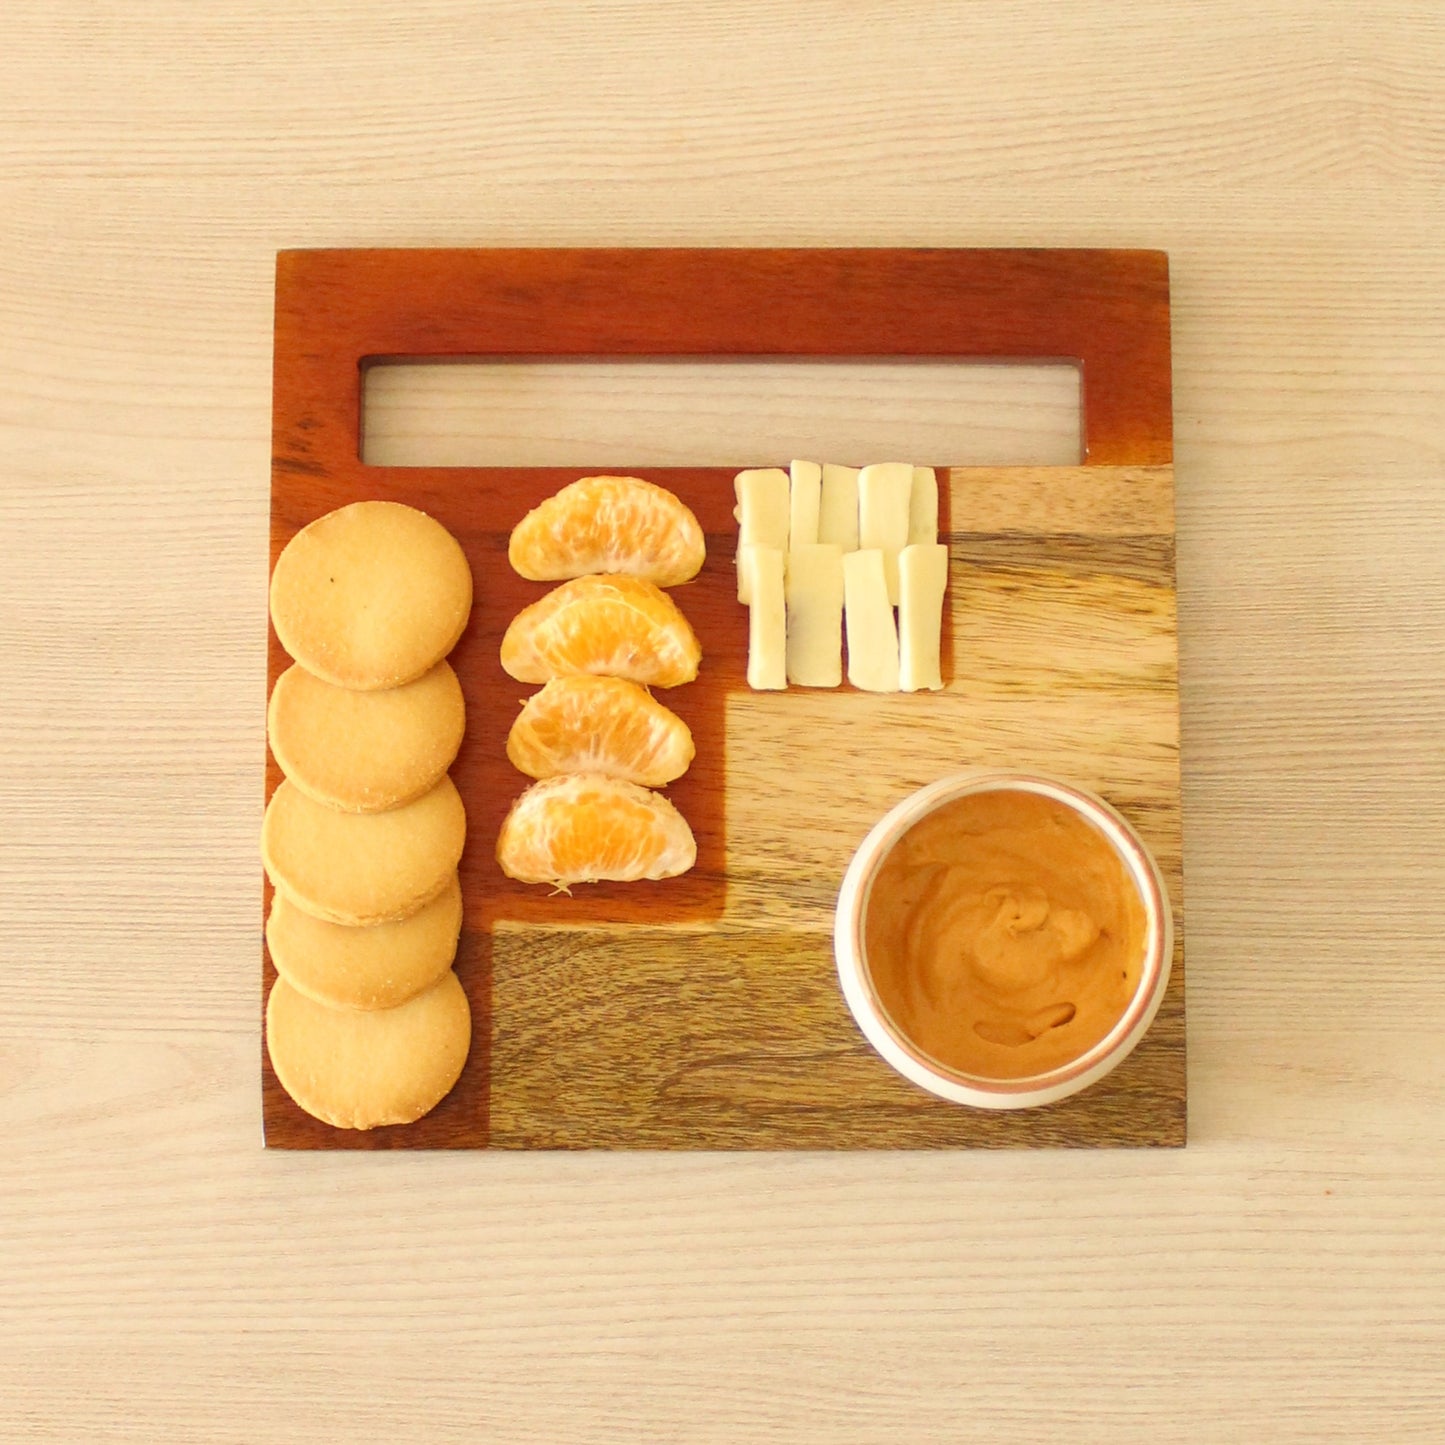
pixel 734 413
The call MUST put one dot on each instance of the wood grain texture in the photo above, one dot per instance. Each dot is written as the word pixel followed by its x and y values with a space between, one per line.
pixel 721 413
pixel 1282 1279
pixel 734 1034
pixel 1063 590
pixel 1107 311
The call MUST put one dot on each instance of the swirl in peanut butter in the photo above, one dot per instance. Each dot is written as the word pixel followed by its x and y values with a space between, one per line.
pixel 1004 934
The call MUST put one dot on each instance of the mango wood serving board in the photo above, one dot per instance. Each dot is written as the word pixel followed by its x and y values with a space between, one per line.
pixel 703 1012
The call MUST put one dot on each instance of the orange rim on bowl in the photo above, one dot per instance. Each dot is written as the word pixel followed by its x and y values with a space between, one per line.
pixel 895 1046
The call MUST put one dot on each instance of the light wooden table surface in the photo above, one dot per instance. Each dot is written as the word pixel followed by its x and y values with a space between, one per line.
pixel 161 1278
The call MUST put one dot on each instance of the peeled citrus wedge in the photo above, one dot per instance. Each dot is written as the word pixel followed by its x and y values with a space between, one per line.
pixel 604 626
pixel 599 725
pixel 609 524
pixel 584 828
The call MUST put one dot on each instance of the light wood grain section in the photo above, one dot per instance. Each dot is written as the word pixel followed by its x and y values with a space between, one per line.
pixel 1281 1280
pixel 716 413
pixel 1029 501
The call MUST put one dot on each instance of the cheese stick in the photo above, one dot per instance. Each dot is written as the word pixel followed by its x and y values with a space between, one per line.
pixel 814 592
pixel 762 514
pixel 884 493
pixel 923 507
pixel 762 570
pixel 805 498
pixel 872 635
pixel 923 578
pixel 838 507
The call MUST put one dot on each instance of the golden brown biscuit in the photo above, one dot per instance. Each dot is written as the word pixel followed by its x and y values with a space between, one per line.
pixel 372 595
pixel 365 968
pixel 359 1070
pixel 362 868
pixel 365 751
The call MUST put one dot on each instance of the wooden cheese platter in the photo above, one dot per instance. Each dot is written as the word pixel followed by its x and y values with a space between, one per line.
pixel 703 1012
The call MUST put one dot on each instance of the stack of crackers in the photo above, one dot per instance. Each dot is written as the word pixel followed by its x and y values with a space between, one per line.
pixel 367 1024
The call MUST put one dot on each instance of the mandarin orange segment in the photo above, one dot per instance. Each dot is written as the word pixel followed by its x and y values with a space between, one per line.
pixel 609 524
pixel 586 828
pixel 603 626
pixel 600 725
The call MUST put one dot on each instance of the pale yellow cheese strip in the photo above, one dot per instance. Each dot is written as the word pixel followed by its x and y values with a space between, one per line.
pixel 838 507
pixel 762 513
pixel 922 580
pixel 762 568
pixel 805 497
pixel 814 592
pixel 872 635
pixel 884 493
pixel 923 507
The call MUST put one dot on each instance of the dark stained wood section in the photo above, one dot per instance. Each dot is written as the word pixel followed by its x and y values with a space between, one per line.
pixel 1106 310
pixel 703 1012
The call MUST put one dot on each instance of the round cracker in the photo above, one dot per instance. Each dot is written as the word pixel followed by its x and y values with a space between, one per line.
pixel 365 751
pixel 362 868
pixel 371 595
pixel 365 968
pixel 360 1070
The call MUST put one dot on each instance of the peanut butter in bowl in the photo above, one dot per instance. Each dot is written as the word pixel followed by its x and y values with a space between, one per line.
pixel 1003 939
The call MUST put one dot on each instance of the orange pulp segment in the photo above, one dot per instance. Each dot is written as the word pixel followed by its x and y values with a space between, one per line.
pixel 584 828
pixel 605 626
pixel 600 725
pixel 609 524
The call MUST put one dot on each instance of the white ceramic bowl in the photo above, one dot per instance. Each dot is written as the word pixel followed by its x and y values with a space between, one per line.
pixel 895 1046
